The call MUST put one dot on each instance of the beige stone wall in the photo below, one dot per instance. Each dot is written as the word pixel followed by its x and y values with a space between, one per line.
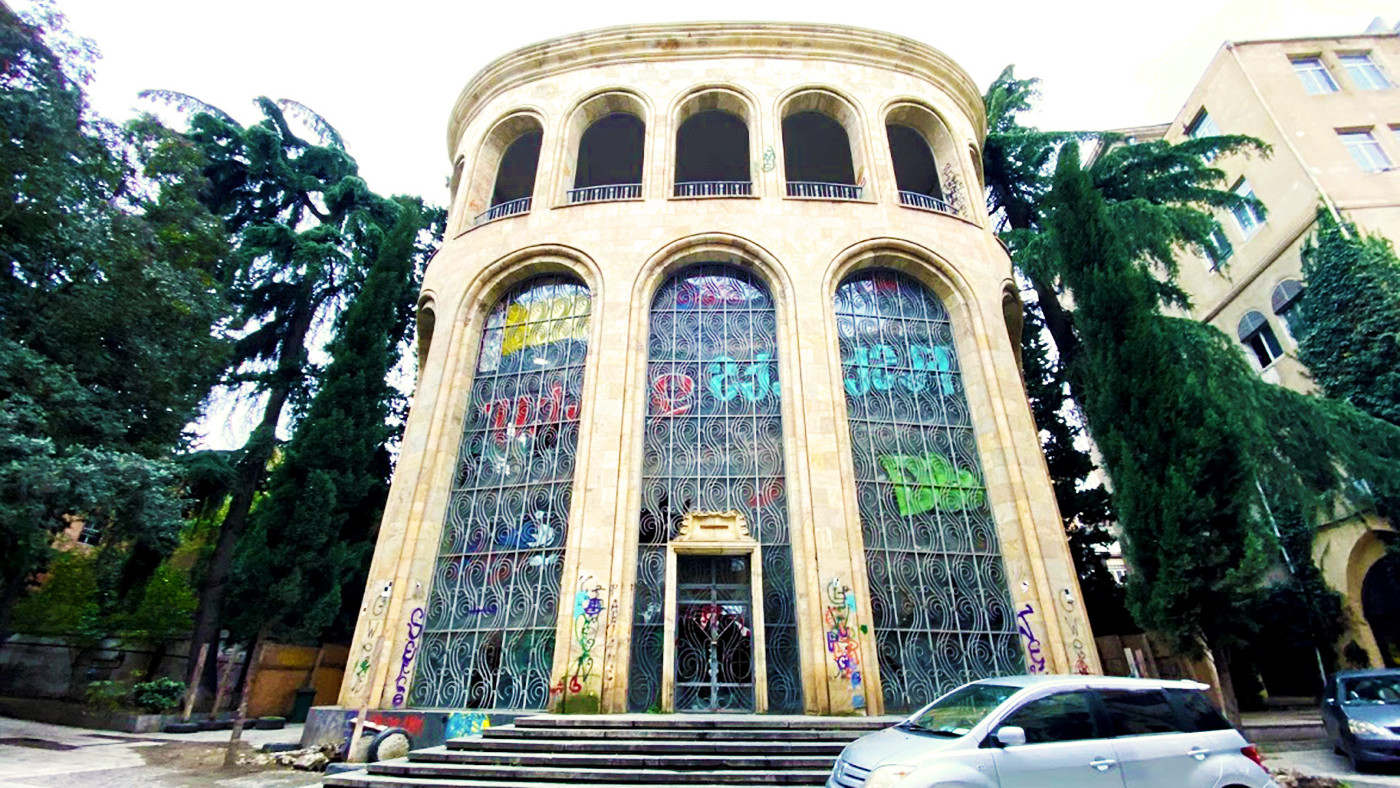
pixel 1251 88
pixel 801 249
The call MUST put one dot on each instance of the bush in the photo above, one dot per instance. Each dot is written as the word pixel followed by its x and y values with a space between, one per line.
pixel 159 695
pixel 106 695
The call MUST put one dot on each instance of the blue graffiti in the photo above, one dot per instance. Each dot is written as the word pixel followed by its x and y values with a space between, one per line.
pixel 876 367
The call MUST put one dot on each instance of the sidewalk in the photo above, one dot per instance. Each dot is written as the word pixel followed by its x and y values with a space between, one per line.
pixel 38 755
pixel 1324 763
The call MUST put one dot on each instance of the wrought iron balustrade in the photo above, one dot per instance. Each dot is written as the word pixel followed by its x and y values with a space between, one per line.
pixel 614 191
pixel 503 210
pixel 925 202
pixel 714 189
pixel 824 191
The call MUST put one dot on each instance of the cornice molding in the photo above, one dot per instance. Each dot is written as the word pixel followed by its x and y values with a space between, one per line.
pixel 713 40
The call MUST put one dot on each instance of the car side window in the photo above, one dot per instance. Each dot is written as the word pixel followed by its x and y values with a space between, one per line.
pixel 1066 716
pixel 1138 712
pixel 1197 711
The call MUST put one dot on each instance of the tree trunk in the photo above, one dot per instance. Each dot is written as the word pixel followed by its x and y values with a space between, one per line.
pixel 252 468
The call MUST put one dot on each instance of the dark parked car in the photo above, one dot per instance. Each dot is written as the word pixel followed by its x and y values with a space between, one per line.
pixel 1361 711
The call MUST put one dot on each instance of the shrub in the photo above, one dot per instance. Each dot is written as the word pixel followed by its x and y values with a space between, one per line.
pixel 159 695
pixel 106 695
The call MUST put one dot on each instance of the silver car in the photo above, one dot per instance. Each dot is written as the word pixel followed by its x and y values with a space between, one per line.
pixel 1052 731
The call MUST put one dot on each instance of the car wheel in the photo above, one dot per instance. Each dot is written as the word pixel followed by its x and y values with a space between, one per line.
pixel 1357 765
pixel 1337 748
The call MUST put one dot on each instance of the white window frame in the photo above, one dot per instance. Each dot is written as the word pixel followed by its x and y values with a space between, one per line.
pixel 1365 149
pixel 1246 218
pixel 1363 71
pixel 1220 244
pixel 1313 73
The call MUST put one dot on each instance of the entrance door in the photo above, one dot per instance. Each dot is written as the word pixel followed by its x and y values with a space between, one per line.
pixel 714 634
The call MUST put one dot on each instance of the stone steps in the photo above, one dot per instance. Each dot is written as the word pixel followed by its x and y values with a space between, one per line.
pixel 635 751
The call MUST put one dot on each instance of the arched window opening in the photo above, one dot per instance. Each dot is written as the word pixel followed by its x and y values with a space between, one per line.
pixel 515 178
pixel 939 601
pixel 490 621
pixel 427 321
pixel 817 157
pixel 1287 297
pixel 1013 312
pixel 610 160
pixel 503 178
pixel 915 171
pixel 713 442
pixel 1258 336
pixel 712 156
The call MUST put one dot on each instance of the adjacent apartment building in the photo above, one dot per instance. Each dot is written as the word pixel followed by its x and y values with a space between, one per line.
pixel 1330 110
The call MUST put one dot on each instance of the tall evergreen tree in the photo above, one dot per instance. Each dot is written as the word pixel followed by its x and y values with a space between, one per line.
pixel 311 536
pixel 1350 316
pixel 108 293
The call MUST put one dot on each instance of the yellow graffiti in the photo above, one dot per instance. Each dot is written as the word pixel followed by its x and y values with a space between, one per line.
pixel 545 321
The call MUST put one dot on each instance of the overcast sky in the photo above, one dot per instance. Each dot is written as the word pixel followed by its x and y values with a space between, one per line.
pixel 386 74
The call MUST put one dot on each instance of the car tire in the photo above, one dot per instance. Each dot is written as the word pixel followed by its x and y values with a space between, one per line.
pixel 1357 765
pixel 1337 749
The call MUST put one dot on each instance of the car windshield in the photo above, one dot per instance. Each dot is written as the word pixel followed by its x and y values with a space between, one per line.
pixel 957 712
pixel 1371 690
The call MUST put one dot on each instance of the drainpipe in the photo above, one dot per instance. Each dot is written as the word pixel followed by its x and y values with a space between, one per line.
pixel 1288 141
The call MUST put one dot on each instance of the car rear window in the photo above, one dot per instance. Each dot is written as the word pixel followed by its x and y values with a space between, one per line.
pixel 1137 712
pixel 1197 711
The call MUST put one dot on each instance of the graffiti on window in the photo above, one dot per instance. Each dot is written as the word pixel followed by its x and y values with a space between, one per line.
pixel 713 442
pixel 939 602
pixel 488 638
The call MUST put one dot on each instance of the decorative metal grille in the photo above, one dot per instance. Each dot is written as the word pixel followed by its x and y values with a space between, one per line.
pixel 713 442
pixel 488 637
pixel 939 601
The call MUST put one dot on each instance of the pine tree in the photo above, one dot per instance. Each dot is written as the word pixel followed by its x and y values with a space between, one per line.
pixel 1350 315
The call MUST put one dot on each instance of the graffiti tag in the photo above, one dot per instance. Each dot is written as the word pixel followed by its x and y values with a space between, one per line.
pixel 588 604
pixel 410 648
pixel 1023 625
pixel 841 642
pixel 931 482
pixel 876 367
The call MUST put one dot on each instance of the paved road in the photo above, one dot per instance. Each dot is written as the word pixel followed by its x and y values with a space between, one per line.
pixel 1325 763
pixel 36 755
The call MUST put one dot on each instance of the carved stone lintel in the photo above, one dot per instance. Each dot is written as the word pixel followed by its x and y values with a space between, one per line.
pixel 729 526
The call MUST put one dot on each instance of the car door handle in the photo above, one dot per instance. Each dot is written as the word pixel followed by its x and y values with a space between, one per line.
pixel 1199 753
pixel 1103 764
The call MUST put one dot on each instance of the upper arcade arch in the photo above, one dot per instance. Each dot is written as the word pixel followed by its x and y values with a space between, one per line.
pixel 823 145
pixel 925 156
pixel 604 148
pixel 713 144
pixel 503 175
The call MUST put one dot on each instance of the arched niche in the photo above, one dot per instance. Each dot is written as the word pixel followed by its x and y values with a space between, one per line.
pixel 503 176
pixel 605 147
pixel 713 145
pixel 823 147
pixel 925 159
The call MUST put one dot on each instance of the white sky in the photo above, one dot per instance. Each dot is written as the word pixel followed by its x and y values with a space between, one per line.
pixel 386 74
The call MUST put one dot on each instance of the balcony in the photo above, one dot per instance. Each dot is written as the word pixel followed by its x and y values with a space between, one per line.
pixel 823 191
pixel 926 203
pixel 616 191
pixel 501 211
pixel 715 189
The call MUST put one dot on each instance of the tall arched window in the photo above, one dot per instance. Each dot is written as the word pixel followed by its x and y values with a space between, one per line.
pixel 712 155
pixel 713 442
pixel 915 171
pixel 610 159
pixel 489 626
pixel 939 600
pixel 1256 334
pixel 1286 298
pixel 515 178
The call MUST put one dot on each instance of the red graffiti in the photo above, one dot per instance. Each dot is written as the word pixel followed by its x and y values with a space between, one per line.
pixel 525 413
pixel 672 394
pixel 770 491
pixel 413 723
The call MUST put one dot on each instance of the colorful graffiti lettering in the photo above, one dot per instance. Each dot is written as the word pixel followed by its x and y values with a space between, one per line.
pixel 588 603
pixel 522 415
pixel 410 647
pixel 1023 625
pixel 931 482
pixel 545 321
pixel 714 291
pixel 672 394
pixel 466 723
pixel 841 641
pixel 753 383
pixel 875 367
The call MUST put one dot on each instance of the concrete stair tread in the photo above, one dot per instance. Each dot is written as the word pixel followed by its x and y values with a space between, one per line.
pixel 704 734
pixel 706 721
pixel 365 780
pixel 595 775
pixel 649 746
pixel 674 761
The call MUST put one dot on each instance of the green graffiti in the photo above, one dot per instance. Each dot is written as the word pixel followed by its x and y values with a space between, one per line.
pixel 931 482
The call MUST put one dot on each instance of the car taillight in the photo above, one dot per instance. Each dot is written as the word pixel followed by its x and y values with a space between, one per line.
pixel 1251 752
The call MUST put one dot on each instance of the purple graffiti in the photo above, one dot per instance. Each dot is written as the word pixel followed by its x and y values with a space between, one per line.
pixel 410 648
pixel 1037 664
pixel 488 610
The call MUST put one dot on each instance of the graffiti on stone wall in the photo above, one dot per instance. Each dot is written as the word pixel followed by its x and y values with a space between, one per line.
pixel 466 723
pixel 363 658
pixel 770 158
pixel 841 640
pixel 1081 660
pixel 952 189
pixel 588 604
pixel 878 367
pixel 929 482
pixel 1023 625
pixel 410 647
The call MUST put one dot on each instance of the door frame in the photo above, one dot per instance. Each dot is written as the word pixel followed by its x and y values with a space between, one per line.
pixel 714 533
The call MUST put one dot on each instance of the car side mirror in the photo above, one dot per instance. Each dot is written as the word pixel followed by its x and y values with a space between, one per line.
pixel 1010 736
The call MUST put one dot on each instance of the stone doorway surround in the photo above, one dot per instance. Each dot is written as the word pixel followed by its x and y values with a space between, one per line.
pixel 714 533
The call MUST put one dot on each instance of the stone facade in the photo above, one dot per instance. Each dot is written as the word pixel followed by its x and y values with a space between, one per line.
pixel 792 253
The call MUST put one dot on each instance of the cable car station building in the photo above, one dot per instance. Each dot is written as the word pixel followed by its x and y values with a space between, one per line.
pixel 719 406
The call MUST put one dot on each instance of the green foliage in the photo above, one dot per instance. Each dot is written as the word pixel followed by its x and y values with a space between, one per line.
pixel 158 696
pixel 66 603
pixel 166 604
pixel 107 695
pixel 108 293
pixel 1350 314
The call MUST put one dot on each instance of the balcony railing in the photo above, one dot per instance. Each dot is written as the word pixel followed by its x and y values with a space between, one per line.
pixel 615 191
pixel 925 202
pixel 503 210
pixel 823 191
pixel 714 189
